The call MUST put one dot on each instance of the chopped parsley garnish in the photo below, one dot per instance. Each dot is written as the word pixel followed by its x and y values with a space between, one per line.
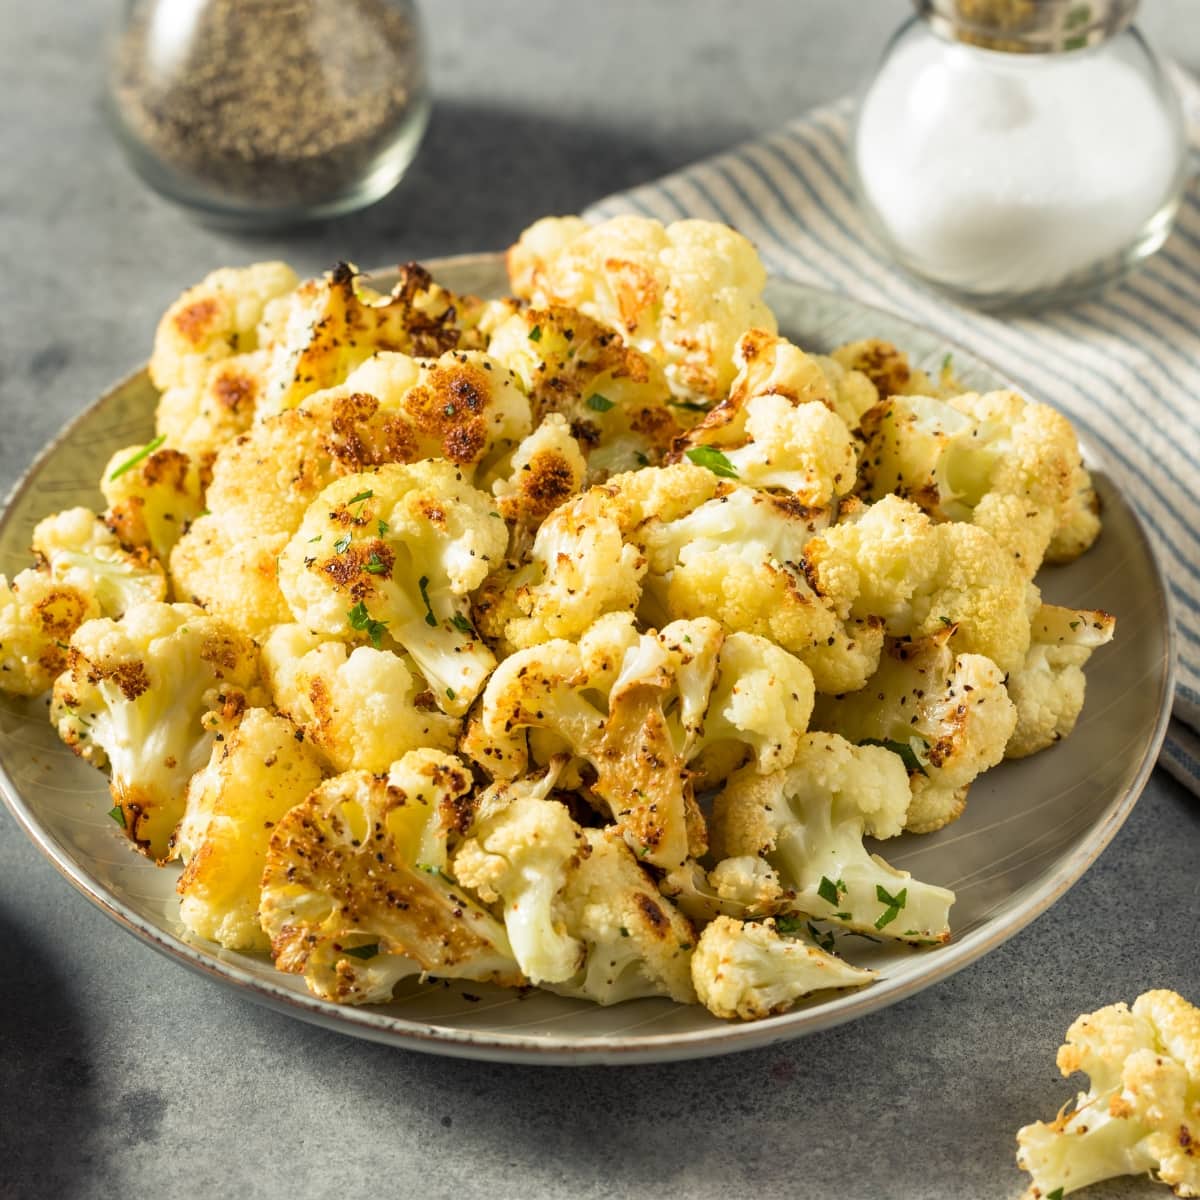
pixel 423 584
pixel 118 814
pixel 462 624
pixel 375 565
pixel 535 334
pixel 360 497
pixel 945 620
pixel 1074 625
pixel 383 527
pixel 450 692
pixel 131 462
pixel 908 756
pixel 947 362
pixel 1079 15
pixel 342 544
pixel 894 904
pixel 689 405
pixel 824 940
pixel 496 515
pixel 788 925
pixel 314 539
pixel 714 460
pixel 1055 1195
pixel 363 952
pixel 829 891
pixel 599 403
pixel 359 618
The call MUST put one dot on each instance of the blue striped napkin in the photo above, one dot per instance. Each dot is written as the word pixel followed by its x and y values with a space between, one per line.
pixel 1136 349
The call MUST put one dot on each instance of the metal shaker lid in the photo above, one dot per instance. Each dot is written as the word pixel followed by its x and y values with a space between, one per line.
pixel 1028 26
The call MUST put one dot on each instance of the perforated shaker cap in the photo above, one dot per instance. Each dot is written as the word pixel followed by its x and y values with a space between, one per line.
pixel 1028 26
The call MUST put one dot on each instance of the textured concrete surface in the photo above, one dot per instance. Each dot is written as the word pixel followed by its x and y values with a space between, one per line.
pixel 123 1076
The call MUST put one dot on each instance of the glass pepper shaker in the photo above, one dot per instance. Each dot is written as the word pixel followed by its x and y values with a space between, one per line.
pixel 261 113
pixel 1018 153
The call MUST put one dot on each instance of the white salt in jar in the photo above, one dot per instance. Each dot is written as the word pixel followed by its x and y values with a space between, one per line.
pixel 1020 152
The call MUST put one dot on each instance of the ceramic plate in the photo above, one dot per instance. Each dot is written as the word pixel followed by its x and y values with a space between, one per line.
pixel 1030 829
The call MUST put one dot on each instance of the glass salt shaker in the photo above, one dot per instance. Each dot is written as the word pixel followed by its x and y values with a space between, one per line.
pixel 260 113
pixel 1018 153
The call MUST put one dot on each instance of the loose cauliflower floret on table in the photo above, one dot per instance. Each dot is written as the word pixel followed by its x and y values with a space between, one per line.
pixel 360 707
pixel 1142 1110
pixel 356 895
pixel 891 562
pixel 1006 465
pixel 636 943
pixel 1048 688
pixel 257 772
pixel 395 554
pixel 777 428
pixel 747 970
pixel 682 294
pixel 152 494
pixel 614 397
pixel 948 716
pixel 214 320
pixel 134 696
pixel 809 821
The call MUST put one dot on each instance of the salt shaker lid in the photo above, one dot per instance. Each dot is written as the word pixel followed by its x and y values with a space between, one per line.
pixel 1028 26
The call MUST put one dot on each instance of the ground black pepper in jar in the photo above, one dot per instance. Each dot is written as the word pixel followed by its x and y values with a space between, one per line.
pixel 262 111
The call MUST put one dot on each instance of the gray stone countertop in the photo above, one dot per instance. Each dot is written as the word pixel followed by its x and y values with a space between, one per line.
pixel 122 1075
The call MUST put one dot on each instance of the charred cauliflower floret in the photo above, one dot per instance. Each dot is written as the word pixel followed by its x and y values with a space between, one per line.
pixel 808 822
pixel 748 970
pixel 1141 1112
pixel 682 294
pixel 614 397
pixel 152 496
pixel 636 943
pixel 37 617
pixel 1048 688
pixel 356 895
pixel 360 707
pixel 134 696
pixel 546 470
pixel 889 561
pixel 1005 465
pixel 520 851
pixel 777 428
pixel 214 320
pixel 948 717
pixel 393 555
pixel 889 371
pixel 257 771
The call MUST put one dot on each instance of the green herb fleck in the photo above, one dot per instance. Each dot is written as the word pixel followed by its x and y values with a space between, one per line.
pixel 1055 1195
pixel 1074 625
pixel 118 814
pixel 689 405
pixel 496 515
pixel 450 692
pixel 315 539
pixel 360 497
pixel 1079 15
pixel 908 756
pixel 342 544
pixel 462 624
pixel 359 618
pixel 145 452
pixel 894 904
pixel 641 459
pixel 824 940
pixel 788 925
pixel 624 931
pixel 535 334
pixel 62 645
pixel 829 891
pixel 375 565
pixel 1075 43
pixel 423 584
pixel 383 527
pixel 945 620
pixel 363 952
pixel 866 937
pixel 599 403
pixel 714 460
pixel 947 363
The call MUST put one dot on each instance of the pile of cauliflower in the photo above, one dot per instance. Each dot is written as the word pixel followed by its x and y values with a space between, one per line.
pixel 577 639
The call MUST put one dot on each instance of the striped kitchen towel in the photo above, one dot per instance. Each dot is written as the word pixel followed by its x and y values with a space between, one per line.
pixel 1134 349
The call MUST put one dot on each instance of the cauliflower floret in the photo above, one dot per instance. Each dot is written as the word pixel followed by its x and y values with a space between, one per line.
pixel 948 717
pixel 231 577
pixel 152 495
pixel 328 327
pixel 80 551
pixel 996 460
pixel 521 850
pixel 134 695
pixel 808 822
pixel 1142 1111
pixel 355 894
pixel 682 294
pixel 547 469
pixel 735 887
pixel 359 706
pixel 777 428
pixel 1048 688
pixel 637 943
pixel 892 562
pixel 747 970
pixel 215 320
pixel 889 371
pixel 851 393
pixel 37 616
pixel 614 397
pixel 257 772
pixel 1079 521
pixel 395 553
pixel 578 570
